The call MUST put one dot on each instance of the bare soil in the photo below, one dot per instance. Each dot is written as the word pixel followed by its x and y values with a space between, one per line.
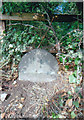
pixel 26 99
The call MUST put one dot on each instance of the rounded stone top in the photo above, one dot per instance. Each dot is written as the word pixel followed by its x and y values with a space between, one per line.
pixel 38 65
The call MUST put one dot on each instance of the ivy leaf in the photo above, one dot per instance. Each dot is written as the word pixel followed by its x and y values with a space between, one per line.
pixel 31 41
pixel 73 115
pixel 54 115
pixel 65 61
pixel 78 40
pixel 51 31
pixel 71 52
pixel 75 73
pixel 67 67
pixel 60 59
pixel 70 46
pixel 76 61
pixel 76 103
pixel 69 39
pixel 72 79
pixel 80 55
pixel 69 92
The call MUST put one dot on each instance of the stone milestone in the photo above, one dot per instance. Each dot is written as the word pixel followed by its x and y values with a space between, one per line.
pixel 38 65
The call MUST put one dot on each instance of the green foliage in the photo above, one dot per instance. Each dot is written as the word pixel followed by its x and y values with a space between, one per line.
pixel 72 79
pixel 72 104
pixel 54 116
pixel 51 7
pixel 72 39
pixel 73 115
pixel 28 7
pixel 76 61
pixel 20 37
pixel 76 103
pixel 61 59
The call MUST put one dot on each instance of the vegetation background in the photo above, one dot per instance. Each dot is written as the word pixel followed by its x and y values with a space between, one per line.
pixel 65 37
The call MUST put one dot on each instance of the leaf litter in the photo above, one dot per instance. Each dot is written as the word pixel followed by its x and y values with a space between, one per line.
pixel 65 102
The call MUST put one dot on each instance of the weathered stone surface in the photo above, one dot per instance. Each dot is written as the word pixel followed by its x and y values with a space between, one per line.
pixel 38 66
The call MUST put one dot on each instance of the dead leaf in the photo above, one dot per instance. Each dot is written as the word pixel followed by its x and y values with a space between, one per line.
pixel 0 88
pixel 79 99
pixel 69 102
pixel 52 100
pixel 20 106
pixel 59 72
pixel 63 94
pixel 2 115
pixel 22 99
pixel 69 72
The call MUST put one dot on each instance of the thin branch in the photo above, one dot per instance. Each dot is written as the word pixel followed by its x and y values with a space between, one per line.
pixel 56 106
pixel 26 25
pixel 78 19
pixel 44 35
pixel 69 33
pixel 50 24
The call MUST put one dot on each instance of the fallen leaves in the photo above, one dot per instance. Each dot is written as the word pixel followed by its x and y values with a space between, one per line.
pixel 69 107
pixel 72 79
pixel 9 74
pixel 66 103
pixel 3 115
pixel 20 106
pixel 69 102
pixel 73 115
pixel 76 103
pixel 22 99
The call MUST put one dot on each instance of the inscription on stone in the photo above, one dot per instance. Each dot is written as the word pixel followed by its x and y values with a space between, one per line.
pixel 38 65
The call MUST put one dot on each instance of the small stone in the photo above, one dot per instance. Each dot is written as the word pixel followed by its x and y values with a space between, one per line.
pixel 3 96
pixel 35 116
pixel 14 82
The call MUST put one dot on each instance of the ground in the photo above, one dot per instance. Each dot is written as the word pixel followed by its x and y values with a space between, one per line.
pixel 34 100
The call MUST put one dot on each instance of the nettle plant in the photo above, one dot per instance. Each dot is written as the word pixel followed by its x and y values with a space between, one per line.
pixel 72 54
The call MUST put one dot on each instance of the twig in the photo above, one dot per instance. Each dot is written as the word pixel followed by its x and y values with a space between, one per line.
pixel 50 24
pixel 50 27
pixel 56 106
pixel 69 33
pixel 31 107
pixel 44 35
pixel 78 19
pixel 30 26
pixel 26 25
